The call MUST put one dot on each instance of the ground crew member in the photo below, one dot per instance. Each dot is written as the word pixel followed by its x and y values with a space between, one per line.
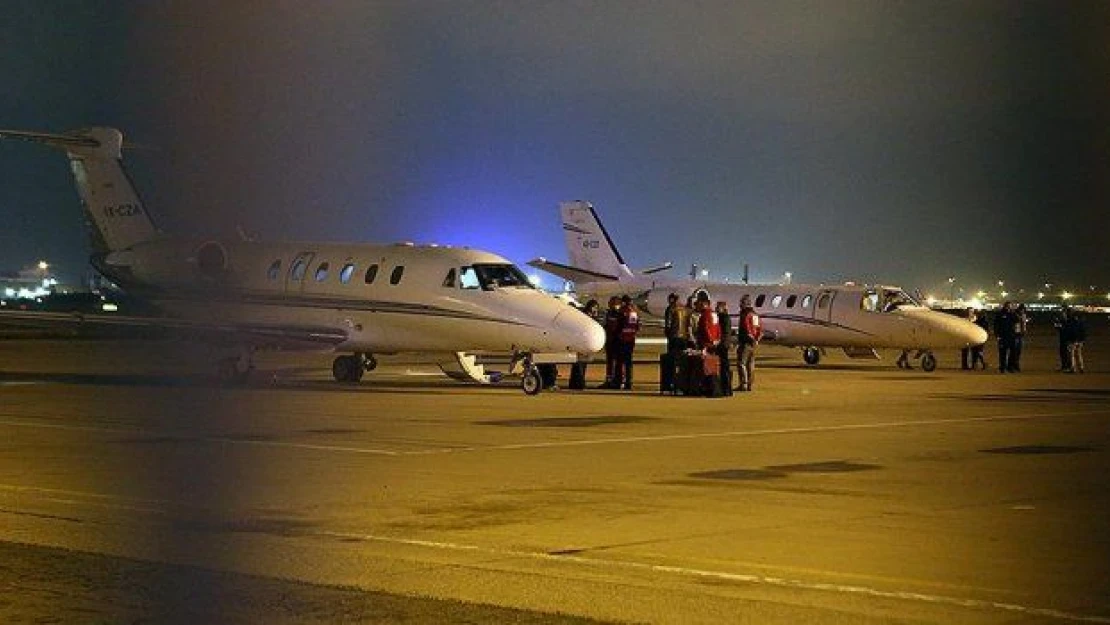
pixel 629 327
pixel 613 319
pixel 749 331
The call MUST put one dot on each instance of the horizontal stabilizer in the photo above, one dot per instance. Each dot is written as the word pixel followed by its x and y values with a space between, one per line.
pixel 650 270
pixel 573 274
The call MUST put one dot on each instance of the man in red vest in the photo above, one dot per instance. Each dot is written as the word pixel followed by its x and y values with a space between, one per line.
pixel 750 331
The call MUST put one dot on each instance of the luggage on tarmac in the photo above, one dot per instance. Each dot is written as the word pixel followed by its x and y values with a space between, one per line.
pixel 711 364
pixel 699 375
pixel 667 368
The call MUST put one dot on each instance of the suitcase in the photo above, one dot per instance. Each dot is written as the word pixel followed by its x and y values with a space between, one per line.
pixel 711 365
pixel 690 383
pixel 711 386
pixel 667 374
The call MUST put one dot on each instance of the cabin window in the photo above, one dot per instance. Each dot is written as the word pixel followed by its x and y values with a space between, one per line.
pixel 449 281
pixel 823 301
pixel 275 270
pixel 371 273
pixel 395 277
pixel 776 301
pixel 468 278
pixel 806 301
pixel 759 299
pixel 345 273
pixel 296 272
pixel 790 301
pixel 322 272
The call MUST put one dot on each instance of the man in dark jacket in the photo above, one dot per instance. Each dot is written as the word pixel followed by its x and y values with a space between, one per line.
pixel 1005 323
pixel 724 346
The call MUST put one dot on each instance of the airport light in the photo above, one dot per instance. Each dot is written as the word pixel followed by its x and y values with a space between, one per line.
pixel 981 294
pixel 1066 295
pixel 43 265
pixel 1040 295
pixel 1004 294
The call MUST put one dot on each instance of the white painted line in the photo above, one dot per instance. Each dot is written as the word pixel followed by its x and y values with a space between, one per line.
pixel 745 433
pixel 978 604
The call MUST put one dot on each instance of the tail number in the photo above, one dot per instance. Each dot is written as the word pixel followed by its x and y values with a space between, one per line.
pixel 591 245
pixel 122 210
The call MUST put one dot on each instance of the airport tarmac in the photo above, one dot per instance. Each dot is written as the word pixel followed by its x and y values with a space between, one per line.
pixel 134 490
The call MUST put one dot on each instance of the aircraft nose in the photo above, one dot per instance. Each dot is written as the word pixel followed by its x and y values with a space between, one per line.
pixel 581 334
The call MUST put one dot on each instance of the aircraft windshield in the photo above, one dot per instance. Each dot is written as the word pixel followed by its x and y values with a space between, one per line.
pixel 491 276
pixel 886 300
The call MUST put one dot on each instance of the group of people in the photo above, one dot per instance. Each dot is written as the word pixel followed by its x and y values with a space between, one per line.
pixel 1011 323
pixel 698 326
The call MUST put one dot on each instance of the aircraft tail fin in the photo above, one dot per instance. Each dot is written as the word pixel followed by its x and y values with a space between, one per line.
pixel 589 247
pixel 114 214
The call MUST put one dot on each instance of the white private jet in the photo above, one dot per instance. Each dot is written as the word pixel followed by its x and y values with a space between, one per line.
pixel 857 319
pixel 356 299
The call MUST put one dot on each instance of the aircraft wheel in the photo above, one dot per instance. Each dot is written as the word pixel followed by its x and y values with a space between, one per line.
pixel 531 383
pixel 345 369
pixel 811 355
pixel 928 362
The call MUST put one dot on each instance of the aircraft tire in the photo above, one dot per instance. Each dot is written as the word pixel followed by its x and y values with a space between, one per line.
pixel 811 356
pixel 345 369
pixel 928 362
pixel 531 383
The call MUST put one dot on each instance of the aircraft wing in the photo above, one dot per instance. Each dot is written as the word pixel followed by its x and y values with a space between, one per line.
pixel 292 337
pixel 567 272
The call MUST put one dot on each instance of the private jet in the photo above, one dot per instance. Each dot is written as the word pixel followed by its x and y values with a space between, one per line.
pixel 858 319
pixel 354 299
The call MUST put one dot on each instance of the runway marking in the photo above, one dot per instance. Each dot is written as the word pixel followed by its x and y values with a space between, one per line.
pixel 764 580
pixel 224 440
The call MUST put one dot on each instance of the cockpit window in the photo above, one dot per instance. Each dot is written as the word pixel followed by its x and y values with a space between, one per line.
pixel 449 279
pixel 893 299
pixel 489 276
pixel 869 301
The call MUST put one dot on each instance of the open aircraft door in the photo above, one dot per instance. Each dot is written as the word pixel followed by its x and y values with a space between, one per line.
pixel 823 305
pixel 298 272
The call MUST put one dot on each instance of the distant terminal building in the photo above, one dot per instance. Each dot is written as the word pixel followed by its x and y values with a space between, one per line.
pixel 28 283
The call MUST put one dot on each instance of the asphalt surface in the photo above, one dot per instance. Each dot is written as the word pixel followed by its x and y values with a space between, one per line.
pixel 132 489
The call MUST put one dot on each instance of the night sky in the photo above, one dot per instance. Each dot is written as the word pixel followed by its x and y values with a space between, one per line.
pixel 874 141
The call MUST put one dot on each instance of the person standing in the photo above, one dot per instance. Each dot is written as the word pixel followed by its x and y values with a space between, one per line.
pixel 629 327
pixel 1060 322
pixel 965 353
pixel 674 320
pixel 749 331
pixel 613 319
pixel 578 369
pixel 1076 332
pixel 1004 323
pixel 1021 324
pixel 977 350
pixel 725 346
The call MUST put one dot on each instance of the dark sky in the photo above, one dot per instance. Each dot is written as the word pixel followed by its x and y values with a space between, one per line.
pixel 897 142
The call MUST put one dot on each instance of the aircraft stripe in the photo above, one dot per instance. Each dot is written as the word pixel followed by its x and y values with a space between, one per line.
pixel 331 303
pixel 815 322
pixel 574 228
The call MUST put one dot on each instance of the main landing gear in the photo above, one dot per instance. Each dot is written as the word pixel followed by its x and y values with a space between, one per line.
pixel 811 355
pixel 350 368
pixel 928 361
